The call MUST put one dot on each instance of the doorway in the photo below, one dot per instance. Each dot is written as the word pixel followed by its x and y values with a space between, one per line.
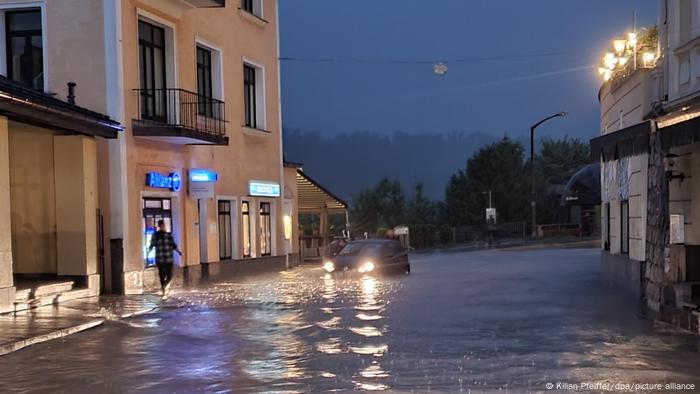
pixel 154 210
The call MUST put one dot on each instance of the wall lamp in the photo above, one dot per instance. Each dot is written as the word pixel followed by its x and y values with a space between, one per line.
pixel 669 167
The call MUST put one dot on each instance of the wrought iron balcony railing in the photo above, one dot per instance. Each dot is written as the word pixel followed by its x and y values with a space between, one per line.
pixel 180 113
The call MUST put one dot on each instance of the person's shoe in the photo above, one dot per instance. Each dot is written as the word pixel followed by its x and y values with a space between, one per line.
pixel 166 290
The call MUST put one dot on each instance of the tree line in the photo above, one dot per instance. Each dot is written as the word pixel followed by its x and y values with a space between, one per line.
pixel 502 167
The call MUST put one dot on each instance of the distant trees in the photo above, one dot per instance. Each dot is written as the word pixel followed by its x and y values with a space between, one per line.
pixel 382 205
pixel 498 167
pixel 501 167
pixel 556 164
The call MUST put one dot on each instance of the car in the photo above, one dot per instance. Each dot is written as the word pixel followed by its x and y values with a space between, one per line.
pixel 370 255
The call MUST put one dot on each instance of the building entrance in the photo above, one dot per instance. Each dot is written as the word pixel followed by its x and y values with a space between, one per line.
pixel 154 210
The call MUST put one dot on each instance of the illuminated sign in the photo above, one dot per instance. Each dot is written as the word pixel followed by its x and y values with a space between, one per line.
pixel 200 175
pixel 263 189
pixel 160 181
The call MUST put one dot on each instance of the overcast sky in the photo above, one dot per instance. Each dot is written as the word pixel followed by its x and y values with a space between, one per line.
pixel 490 96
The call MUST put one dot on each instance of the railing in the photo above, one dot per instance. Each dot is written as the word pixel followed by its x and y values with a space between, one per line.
pixel 181 109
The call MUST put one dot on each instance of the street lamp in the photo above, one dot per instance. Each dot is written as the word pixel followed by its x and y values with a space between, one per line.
pixel 532 166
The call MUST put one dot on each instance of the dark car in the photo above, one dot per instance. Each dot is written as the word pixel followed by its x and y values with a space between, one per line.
pixel 370 255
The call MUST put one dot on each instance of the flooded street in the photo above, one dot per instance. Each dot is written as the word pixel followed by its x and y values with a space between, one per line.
pixel 472 322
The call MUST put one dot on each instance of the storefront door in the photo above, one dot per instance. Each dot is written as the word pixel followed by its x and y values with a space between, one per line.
pixel 154 210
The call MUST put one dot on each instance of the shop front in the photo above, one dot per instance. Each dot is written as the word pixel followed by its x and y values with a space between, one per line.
pixel 51 232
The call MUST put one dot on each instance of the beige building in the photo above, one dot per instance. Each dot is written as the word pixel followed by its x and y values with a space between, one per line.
pixel 195 85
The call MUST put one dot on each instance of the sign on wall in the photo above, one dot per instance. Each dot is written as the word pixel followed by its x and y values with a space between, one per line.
pixel 263 189
pixel 157 180
pixel 677 229
pixel 202 183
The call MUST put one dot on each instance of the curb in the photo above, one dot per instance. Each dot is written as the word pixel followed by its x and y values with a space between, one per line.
pixel 12 347
pixel 62 333
pixel 137 313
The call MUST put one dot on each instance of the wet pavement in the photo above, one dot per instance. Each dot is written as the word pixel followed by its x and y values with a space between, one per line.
pixel 493 321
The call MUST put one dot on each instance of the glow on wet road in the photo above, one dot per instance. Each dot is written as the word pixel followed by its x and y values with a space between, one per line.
pixel 487 321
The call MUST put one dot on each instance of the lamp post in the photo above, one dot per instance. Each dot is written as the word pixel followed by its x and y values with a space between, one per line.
pixel 532 167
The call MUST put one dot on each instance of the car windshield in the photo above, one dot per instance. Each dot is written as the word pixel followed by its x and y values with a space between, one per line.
pixel 361 249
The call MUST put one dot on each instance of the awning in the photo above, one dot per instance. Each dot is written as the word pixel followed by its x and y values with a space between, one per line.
pixel 679 134
pixel 584 187
pixel 311 196
pixel 630 141
pixel 29 106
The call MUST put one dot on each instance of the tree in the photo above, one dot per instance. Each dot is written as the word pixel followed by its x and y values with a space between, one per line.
pixel 420 209
pixel 557 163
pixel 383 205
pixel 498 167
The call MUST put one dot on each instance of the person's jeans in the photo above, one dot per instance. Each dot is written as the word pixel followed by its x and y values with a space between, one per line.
pixel 165 271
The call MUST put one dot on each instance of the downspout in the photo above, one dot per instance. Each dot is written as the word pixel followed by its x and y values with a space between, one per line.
pixel 280 215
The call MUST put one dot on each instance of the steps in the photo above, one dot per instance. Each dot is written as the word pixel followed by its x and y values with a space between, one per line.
pixel 43 294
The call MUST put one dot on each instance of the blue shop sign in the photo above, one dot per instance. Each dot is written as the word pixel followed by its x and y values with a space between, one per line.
pixel 263 189
pixel 160 181
pixel 201 175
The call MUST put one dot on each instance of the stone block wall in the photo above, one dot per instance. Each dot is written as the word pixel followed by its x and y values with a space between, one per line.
pixel 657 251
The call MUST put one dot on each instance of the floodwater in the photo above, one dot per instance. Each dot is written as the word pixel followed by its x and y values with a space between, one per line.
pixel 494 321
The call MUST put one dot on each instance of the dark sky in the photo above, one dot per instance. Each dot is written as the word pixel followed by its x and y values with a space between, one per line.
pixel 496 97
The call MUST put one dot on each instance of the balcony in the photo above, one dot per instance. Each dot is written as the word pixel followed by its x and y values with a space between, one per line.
pixel 180 117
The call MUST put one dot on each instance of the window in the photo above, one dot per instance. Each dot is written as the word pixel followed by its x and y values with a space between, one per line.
pixel 625 227
pixel 152 69
pixel 204 81
pixel 25 59
pixel 265 230
pixel 252 6
pixel 245 215
pixel 225 247
pixel 250 96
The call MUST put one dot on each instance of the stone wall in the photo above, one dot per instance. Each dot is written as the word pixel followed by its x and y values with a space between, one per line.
pixel 657 251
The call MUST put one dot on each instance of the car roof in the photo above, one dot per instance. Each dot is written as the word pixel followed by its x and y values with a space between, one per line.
pixel 374 241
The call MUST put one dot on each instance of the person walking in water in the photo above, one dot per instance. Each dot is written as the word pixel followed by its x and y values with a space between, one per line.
pixel 164 243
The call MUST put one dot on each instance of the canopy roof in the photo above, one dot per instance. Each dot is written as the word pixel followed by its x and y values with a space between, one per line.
pixel 312 196
pixel 22 104
pixel 584 187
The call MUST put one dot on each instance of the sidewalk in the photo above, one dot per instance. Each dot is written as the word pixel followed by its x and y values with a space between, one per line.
pixel 27 328
pixel 519 244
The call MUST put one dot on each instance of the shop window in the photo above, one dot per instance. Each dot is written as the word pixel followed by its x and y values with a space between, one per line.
pixel 265 229
pixel 225 239
pixel 245 216
pixel 154 210
pixel 24 47
pixel 625 227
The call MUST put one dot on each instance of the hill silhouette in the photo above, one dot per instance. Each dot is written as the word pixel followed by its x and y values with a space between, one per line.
pixel 349 163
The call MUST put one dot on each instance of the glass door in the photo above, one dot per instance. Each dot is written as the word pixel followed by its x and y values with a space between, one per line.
pixel 154 210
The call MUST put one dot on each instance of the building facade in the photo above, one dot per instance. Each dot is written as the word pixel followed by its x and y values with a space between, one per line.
pixel 194 85
pixel 650 155
pixel 198 91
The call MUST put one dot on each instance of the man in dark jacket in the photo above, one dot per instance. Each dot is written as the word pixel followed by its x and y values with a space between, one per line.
pixel 164 243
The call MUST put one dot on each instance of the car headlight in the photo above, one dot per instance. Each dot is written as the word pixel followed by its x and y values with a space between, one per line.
pixel 329 266
pixel 367 266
